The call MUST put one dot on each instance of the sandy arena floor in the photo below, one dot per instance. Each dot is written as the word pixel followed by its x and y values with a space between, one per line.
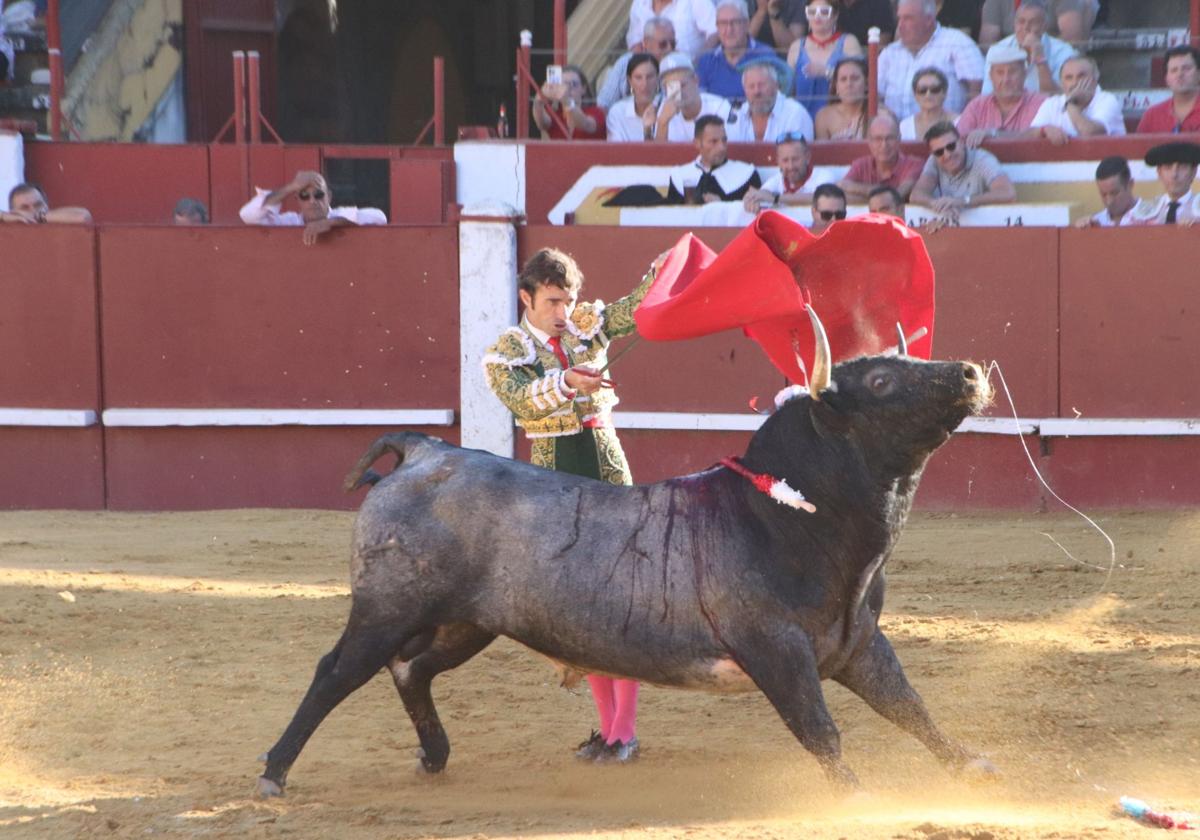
pixel 146 660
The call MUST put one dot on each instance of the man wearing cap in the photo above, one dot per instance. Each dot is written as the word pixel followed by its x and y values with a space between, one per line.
pixel 1045 54
pixel 683 102
pixel 767 113
pixel 787 185
pixel 717 69
pixel 1009 109
pixel 1114 181
pixel 1082 109
pixel 712 176
pixel 1180 113
pixel 1176 163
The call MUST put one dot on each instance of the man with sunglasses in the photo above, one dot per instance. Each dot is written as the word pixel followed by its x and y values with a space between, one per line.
pixel 956 178
pixel 659 41
pixel 829 206
pixel 313 195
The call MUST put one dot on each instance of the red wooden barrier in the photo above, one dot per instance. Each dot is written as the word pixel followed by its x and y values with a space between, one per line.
pixel 50 360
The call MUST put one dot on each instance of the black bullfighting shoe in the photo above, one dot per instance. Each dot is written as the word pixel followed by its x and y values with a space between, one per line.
pixel 619 752
pixel 591 749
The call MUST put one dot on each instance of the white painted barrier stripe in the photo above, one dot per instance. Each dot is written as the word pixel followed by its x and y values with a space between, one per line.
pixel 56 417
pixel 160 417
pixel 1119 427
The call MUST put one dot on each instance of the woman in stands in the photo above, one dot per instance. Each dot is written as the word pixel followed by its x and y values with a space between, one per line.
pixel 930 87
pixel 845 117
pixel 812 56
pixel 573 103
pixel 632 119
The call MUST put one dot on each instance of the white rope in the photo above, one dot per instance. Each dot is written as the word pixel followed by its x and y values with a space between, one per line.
pixel 995 366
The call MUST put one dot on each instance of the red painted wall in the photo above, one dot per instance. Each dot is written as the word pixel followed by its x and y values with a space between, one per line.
pixel 49 358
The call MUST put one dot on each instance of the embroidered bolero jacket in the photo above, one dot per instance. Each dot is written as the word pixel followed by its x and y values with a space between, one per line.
pixel 528 378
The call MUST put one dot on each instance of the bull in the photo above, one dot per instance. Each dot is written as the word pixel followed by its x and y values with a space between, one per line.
pixel 698 582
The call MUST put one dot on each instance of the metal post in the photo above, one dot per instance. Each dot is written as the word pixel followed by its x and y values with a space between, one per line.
pixel 253 92
pixel 54 48
pixel 239 96
pixel 522 101
pixel 560 32
pixel 439 101
pixel 873 71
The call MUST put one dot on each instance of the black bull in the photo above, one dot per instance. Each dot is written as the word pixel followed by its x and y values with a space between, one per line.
pixel 698 582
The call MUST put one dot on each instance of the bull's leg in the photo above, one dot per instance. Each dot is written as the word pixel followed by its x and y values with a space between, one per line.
pixel 359 655
pixel 785 669
pixel 453 645
pixel 875 675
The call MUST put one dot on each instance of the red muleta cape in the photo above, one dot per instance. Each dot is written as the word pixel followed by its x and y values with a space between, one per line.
pixel 862 276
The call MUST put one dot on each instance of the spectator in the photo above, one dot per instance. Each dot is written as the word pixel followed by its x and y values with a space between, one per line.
pixel 1070 20
pixel 922 42
pixel 1114 181
pixel 767 113
pixel 683 102
pixel 885 166
pixel 7 54
pixel 632 119
pixel 829 206
pixel 787 185
pixel 787 22
pixel 190 211
pixel 956 178
pixel 1046 55
pixel 858 16
pixel 1180 113
pixel 811 57
pixel 929 88
pixel 567 101
pixel 27 205
pixel 315 197
pixel 717 69
pixel 695 23
pixel 886 200
pixel 1176 164
pixel 1083 109
pixel 845 117
pixel 659 40
pixel 712 176
pixel 1009 109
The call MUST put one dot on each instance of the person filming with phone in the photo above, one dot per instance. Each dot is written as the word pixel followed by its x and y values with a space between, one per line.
pixel 683 102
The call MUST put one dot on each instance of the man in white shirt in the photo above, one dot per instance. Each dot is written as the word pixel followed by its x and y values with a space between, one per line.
pixel 314 197
pixel 683 102
pixel 712 176
pixel 767 114
pixel 695 23
pixel 787 185
pixel 1046 54
pixel 922 42
pixel 1083 109
pixel 1114 181
pixel 1176 164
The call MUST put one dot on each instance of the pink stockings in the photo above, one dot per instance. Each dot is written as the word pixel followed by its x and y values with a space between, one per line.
pixel 616 703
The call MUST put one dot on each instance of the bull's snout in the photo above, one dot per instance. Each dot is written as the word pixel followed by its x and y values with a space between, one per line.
pixel 976 387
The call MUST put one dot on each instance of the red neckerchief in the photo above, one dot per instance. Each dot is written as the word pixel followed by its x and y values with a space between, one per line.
pixel 789 187
pixel 825 42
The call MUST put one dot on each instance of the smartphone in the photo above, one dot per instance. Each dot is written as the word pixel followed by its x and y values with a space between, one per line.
pixel 554 74
pixel 673 88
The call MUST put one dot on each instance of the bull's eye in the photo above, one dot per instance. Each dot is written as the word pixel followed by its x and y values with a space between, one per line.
pixel 880 384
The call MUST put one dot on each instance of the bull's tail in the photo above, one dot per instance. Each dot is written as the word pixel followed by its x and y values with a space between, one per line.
pixel 362 474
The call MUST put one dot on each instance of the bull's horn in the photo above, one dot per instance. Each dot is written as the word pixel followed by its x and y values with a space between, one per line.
pixel 902 347
pixel 822 367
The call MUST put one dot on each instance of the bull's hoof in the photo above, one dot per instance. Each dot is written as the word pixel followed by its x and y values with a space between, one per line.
pixel 266 789
pixel 427 766
pixel 980 770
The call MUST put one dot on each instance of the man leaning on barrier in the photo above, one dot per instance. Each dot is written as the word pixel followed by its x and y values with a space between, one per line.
pixel 316 216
